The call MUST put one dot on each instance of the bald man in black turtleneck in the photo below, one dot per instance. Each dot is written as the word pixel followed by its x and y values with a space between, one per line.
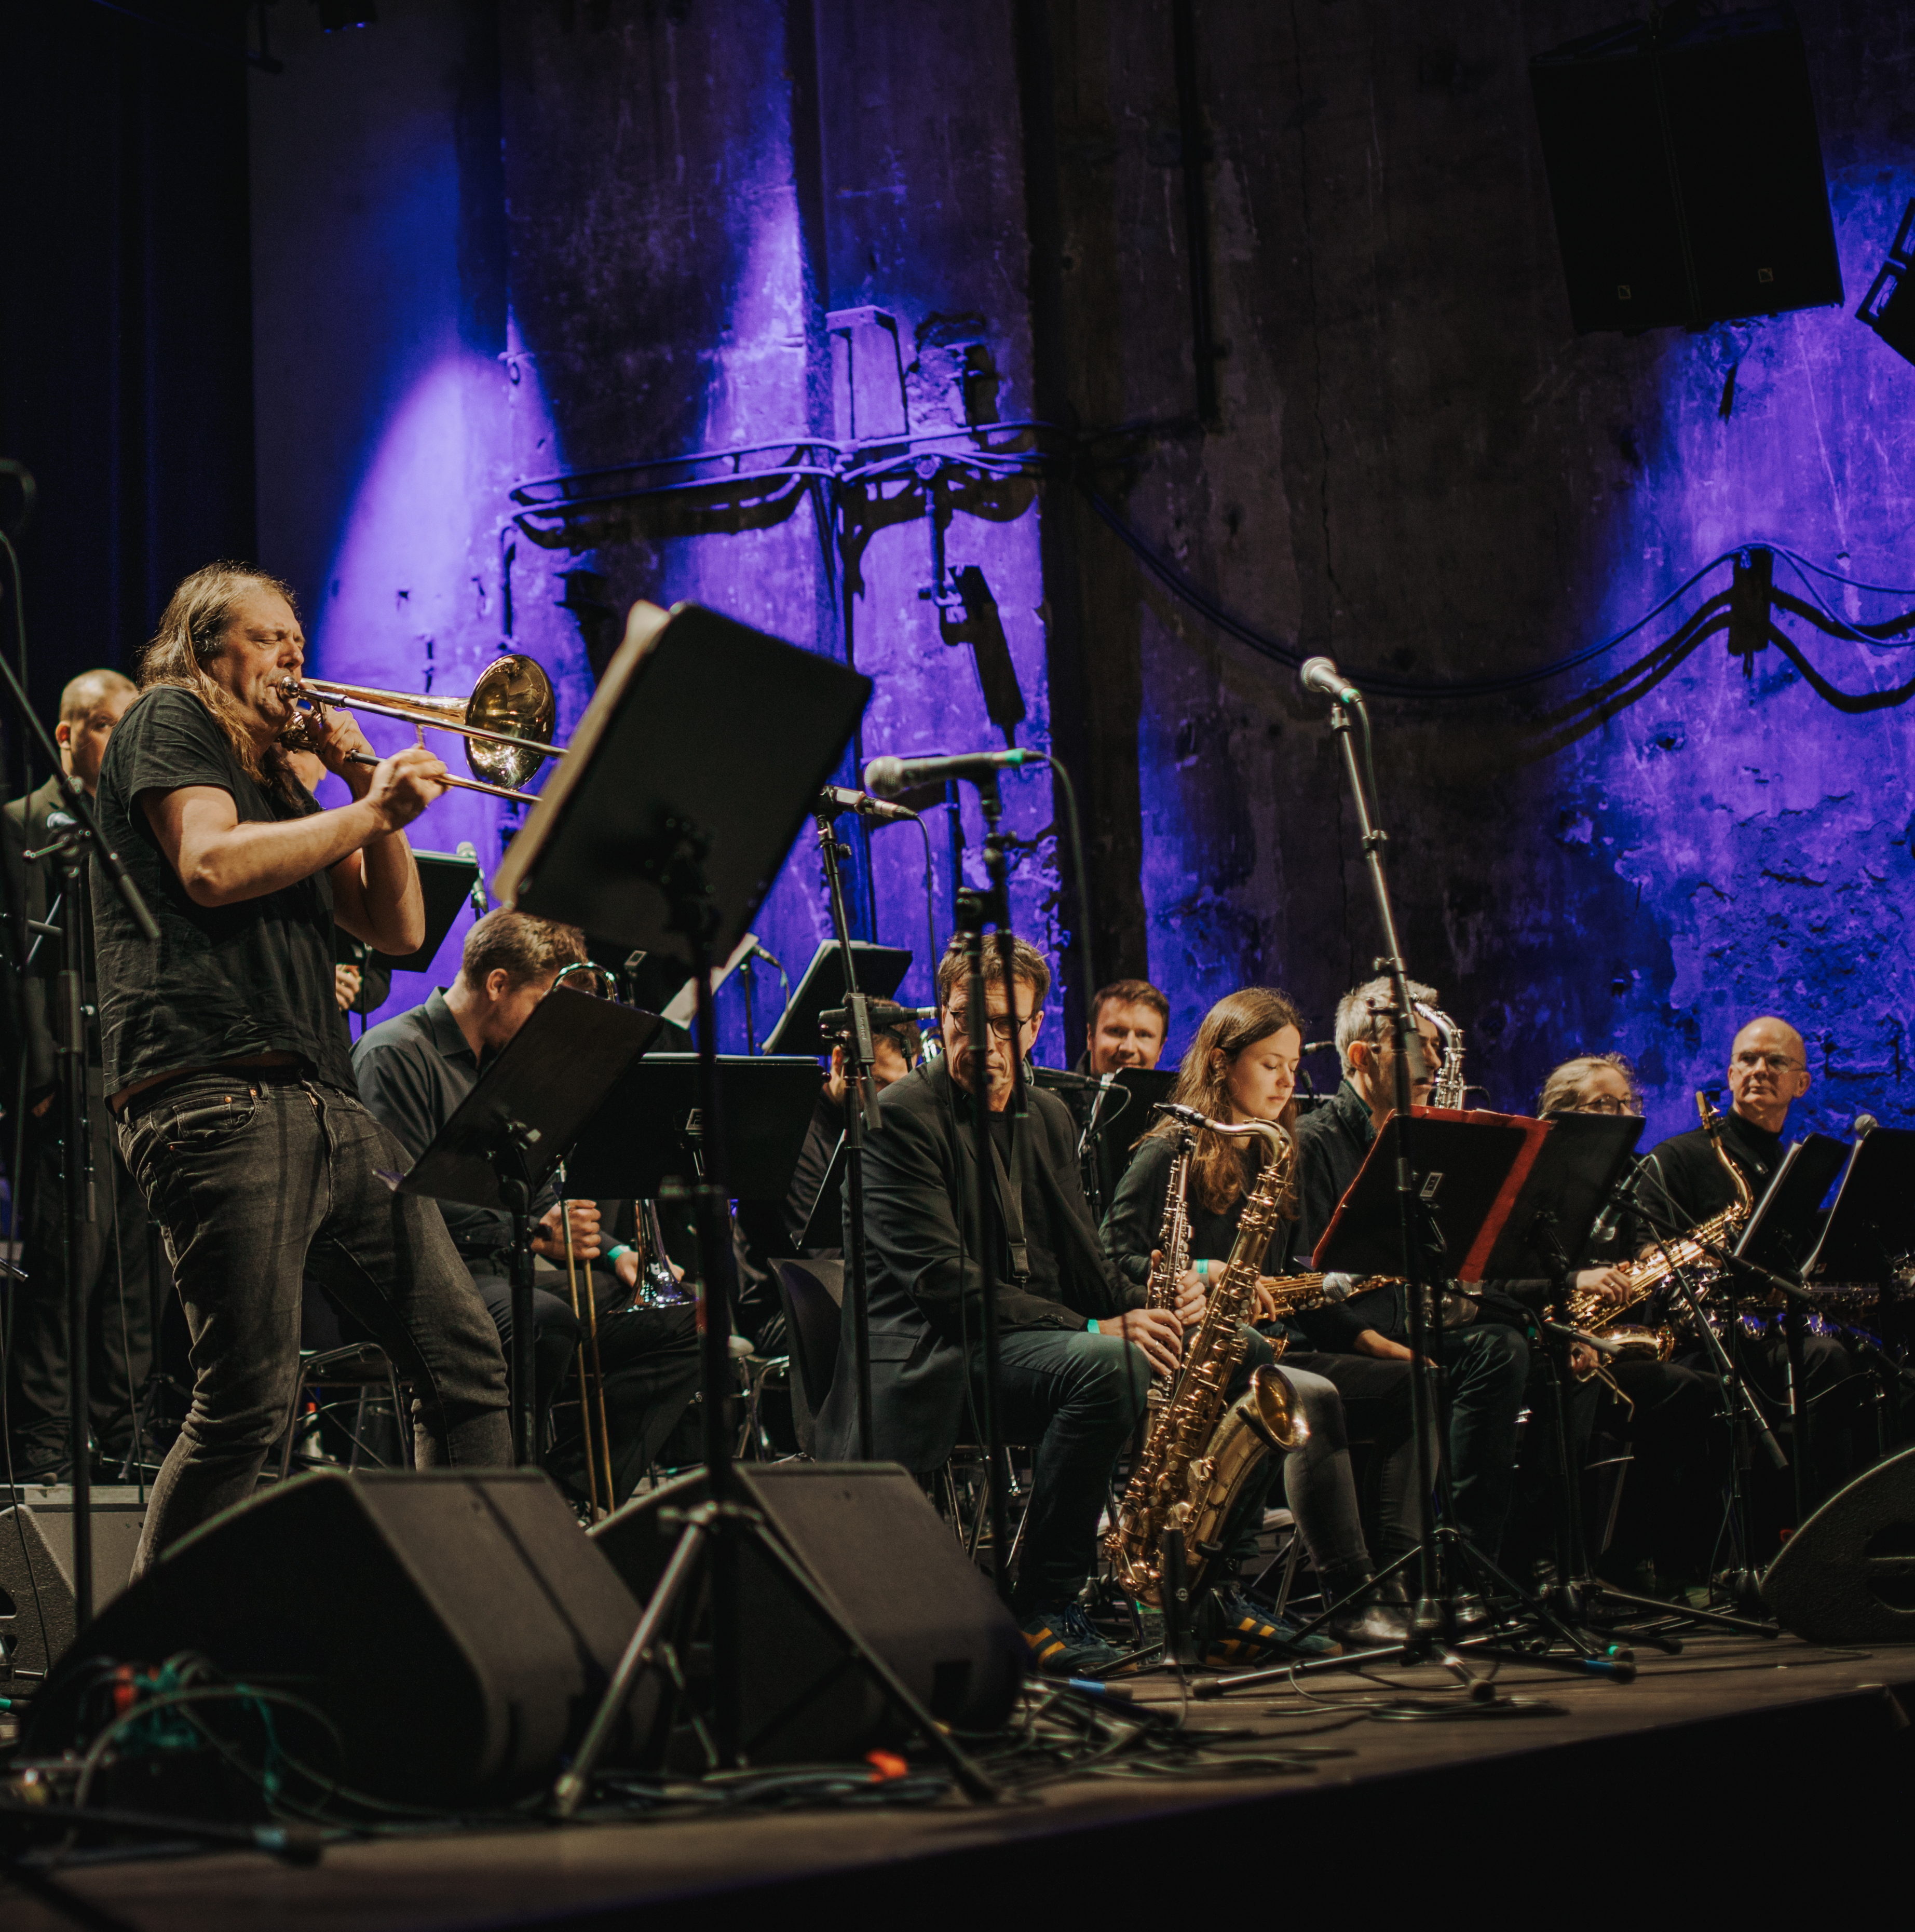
pixel 1683 1184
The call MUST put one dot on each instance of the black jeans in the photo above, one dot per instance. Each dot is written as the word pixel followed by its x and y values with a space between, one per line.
pixel 649 1357
pixel 118 1286
pixel 1376 1410
pixel 255 1180
pixel 1486 1367
pixel 1075 1397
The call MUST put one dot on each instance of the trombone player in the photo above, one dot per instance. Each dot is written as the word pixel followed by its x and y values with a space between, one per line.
pixel 235 1109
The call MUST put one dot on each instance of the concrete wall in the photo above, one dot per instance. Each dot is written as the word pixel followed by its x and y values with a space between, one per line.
pixel 1416 465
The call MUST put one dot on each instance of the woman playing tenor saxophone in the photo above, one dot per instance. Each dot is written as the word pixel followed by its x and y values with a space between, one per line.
pixel 1242 1068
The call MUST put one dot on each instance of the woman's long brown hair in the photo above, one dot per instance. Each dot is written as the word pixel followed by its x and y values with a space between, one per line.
pixel 191 627
pixel 1222 1168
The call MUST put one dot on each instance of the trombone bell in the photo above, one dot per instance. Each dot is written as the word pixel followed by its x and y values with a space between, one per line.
pixel 507 722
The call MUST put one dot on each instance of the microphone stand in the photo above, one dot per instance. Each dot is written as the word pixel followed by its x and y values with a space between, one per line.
pixel 861 1116
pixel 1729 1381
pixel 74 848
pixel 1433 1626
pixel 975 910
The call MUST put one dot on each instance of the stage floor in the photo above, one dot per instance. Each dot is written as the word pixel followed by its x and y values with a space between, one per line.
pixel 1707 1769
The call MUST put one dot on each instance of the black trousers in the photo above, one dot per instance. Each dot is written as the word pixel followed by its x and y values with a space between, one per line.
pixel 1670 1508
pixel 118 1279
pixel 648 1356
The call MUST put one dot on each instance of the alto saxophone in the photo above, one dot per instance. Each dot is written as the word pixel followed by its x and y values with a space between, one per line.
pixel 1201 1450
pixel 1446 1089
pixel 1644 1277
pixel 1173 1249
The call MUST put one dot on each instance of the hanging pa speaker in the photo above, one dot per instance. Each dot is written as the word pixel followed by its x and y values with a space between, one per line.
pixel 454 1627
pixel 1847 1575
pixel 1685 171
pixel 888 1564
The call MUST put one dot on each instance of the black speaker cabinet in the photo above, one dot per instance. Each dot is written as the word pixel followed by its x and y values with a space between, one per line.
pixel 455 1625
pixel 892 1566
pixel 1847 1575
pixel 1686 172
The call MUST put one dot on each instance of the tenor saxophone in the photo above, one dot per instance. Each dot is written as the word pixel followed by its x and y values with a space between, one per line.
pixel 1645 1277
pixel 1201 1449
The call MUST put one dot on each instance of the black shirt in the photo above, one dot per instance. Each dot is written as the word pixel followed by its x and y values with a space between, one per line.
pixel 1333 1142
pixel 221 982
pixel 1136 1219
pixel 412 1072
pixel 1684 1184
pixel 1040 1275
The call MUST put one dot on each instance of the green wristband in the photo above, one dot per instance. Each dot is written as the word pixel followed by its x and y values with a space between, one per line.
pixel 612 1253
pixel 1092 1323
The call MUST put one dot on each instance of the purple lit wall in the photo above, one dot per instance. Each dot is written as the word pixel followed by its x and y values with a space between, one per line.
pixel 593 238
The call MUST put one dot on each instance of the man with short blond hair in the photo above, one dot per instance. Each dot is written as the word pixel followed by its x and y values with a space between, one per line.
pixel 112 1262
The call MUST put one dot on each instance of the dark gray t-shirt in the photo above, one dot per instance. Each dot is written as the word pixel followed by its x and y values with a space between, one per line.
pixel 221 983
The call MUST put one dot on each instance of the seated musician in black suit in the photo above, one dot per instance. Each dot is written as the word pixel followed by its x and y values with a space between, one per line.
pixel 413 1071
pixel 1685 1182
pixel 1486 1362
pixel 1077 1352
pixel 1670 1505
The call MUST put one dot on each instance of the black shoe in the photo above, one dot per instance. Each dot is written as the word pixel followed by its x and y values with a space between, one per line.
pixel 1367 1622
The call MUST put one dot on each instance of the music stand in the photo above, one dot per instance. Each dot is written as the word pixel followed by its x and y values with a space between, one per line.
pixel 447 883
pixel 1474 1165
pixel 1779 1232
pixel 1568 1186
pixel 880 971
pixel 649 1129
pixel 644 834
pixel 1872 1224
pixel 504 1138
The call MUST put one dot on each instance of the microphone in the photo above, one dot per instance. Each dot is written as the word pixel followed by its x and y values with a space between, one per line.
pixel 835 799
pixel 887 777
pixel 467 850
pixel 1866 1124
pixel 1322 675
pixel 771 959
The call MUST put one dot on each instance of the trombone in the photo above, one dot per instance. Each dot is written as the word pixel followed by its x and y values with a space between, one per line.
pixel 506 722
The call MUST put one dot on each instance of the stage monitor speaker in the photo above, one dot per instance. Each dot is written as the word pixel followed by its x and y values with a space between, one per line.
pixel 1686 172
pixel 891 1567
pixel 36 1596
pixel 1847 1575
pixel 455 1625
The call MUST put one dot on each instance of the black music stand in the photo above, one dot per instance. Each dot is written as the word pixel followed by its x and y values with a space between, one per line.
pixel 650 1128
pixel 1109 1128
pixel 447 883
pixel 880 971
pixel 644 836
pixel 1782 1230
pixel 507 1135
pixel 1473 1165
pixel 1872 1224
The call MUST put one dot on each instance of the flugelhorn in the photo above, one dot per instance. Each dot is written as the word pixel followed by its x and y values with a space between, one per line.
pixel 506 722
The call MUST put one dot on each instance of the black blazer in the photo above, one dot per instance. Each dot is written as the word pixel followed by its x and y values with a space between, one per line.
pixel 26 831
pixel 923 1276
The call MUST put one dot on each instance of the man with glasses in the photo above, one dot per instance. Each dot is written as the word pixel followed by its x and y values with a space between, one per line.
pixel 1683 1184
pixel 1076 1352
pixel 1664 1415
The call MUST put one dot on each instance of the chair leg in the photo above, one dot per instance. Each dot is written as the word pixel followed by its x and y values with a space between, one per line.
pixel 292 1423
pixel 1291 1557
pixel 402 1421
pixel 358 1431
